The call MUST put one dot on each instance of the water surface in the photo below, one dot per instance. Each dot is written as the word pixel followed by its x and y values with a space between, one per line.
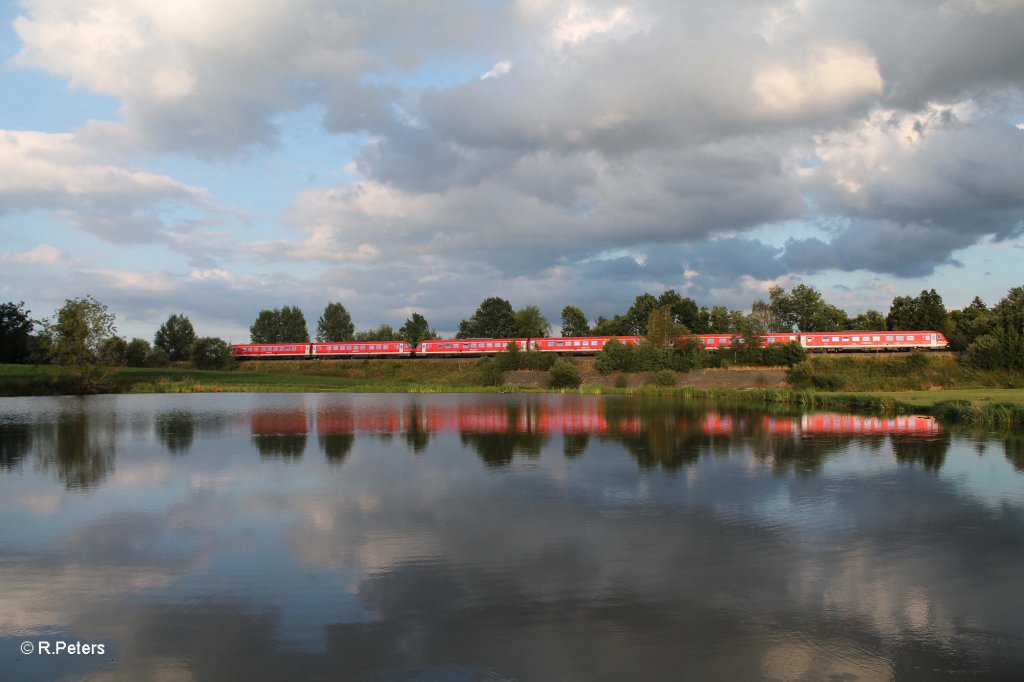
pixel 274 537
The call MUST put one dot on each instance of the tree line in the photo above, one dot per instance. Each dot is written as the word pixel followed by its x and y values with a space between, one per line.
pixel 82 335
pixel 83 330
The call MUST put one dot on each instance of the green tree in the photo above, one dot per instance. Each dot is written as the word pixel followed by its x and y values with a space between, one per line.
pixel 15 332
pixel 416 329
pixel 925 311
pixel 805 310
pixel 82 325
pixel 382 333
pixel 531 323
pixel 335 324
pixel 964 326
pixel 574 322
pixel 136 351
pixel 718 320
pixel 293 325
pixel 209 352
pixel 75 340
pixel 685 312
pixel 617 326
pixel 281 325
pixel 494 319
pixel 176 337
pixel 1003 347
pixel 868 321
pixel 764 315
pixel 112 351
pixel 662 329
pixel 639 313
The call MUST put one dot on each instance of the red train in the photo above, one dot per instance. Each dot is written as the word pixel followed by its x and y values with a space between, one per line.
pixel 816 342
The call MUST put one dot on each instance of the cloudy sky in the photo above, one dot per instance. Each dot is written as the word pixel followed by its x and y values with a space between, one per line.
pixel 219 157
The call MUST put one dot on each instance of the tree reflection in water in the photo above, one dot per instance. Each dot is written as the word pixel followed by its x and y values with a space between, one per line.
pixel 575 444
pixel 336 446
pixel 521 437
pixel 929 452
pixel 15 441
pixel 417 436
pixel 664 433
pixel 176 430
pixel 280 434
pixel 79 447
pixel 1013 445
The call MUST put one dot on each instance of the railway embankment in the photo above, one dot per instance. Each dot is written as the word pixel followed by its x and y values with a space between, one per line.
pixel 893 384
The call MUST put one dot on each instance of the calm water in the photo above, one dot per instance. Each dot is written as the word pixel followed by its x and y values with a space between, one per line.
pixel 290 537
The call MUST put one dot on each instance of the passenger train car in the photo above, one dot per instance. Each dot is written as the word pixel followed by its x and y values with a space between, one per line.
pixel 814 342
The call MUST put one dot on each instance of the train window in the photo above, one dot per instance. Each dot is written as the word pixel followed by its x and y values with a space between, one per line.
pixel 722 340
pixel 559 344
pixel 835 338
pixel 846 339
pixel 857 338
pixel 876 338
pixel 888 337
pixel 910 337
pixel 899 337
pixel 575 343
pixel 824 339
pixel 771 339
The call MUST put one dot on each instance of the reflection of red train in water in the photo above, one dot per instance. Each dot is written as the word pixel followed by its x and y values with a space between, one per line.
pixel 570 417
pixel 816 342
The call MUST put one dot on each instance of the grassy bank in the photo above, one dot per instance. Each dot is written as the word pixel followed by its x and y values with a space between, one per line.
pixel 935 389
pixel 909 372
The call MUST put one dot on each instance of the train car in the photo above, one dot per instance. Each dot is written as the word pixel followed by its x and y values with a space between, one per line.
pixel 271 351
pixel 459 347
pixel 361 349
pixel 713 341
pixel 580 344
pixel 883 340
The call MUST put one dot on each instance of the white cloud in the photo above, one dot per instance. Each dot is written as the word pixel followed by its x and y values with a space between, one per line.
pixel 44 254
pixel 499 69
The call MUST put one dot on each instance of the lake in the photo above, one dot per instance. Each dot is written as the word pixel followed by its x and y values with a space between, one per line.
pixel 501 537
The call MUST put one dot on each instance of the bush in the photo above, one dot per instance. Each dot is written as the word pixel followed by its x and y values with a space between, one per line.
pixel 614 356
pixel 509 359
pixel 564 374
pixel 488 372
pixel 664 377
pixel 916 362
pixel 800 375
pixel 621 381
pixel 647 358
pixel 156 357
pixel 209 352
pixel 687 357
pixel 827 382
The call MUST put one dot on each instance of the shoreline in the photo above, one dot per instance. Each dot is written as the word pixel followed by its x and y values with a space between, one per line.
pixel 1001 408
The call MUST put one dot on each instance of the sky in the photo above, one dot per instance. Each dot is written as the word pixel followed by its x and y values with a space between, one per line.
pixel 216 158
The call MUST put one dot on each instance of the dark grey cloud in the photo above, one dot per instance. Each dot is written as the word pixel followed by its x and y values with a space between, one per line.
pixel 879 246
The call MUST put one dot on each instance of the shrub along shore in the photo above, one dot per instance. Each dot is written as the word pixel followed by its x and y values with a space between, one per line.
pixel 883 385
